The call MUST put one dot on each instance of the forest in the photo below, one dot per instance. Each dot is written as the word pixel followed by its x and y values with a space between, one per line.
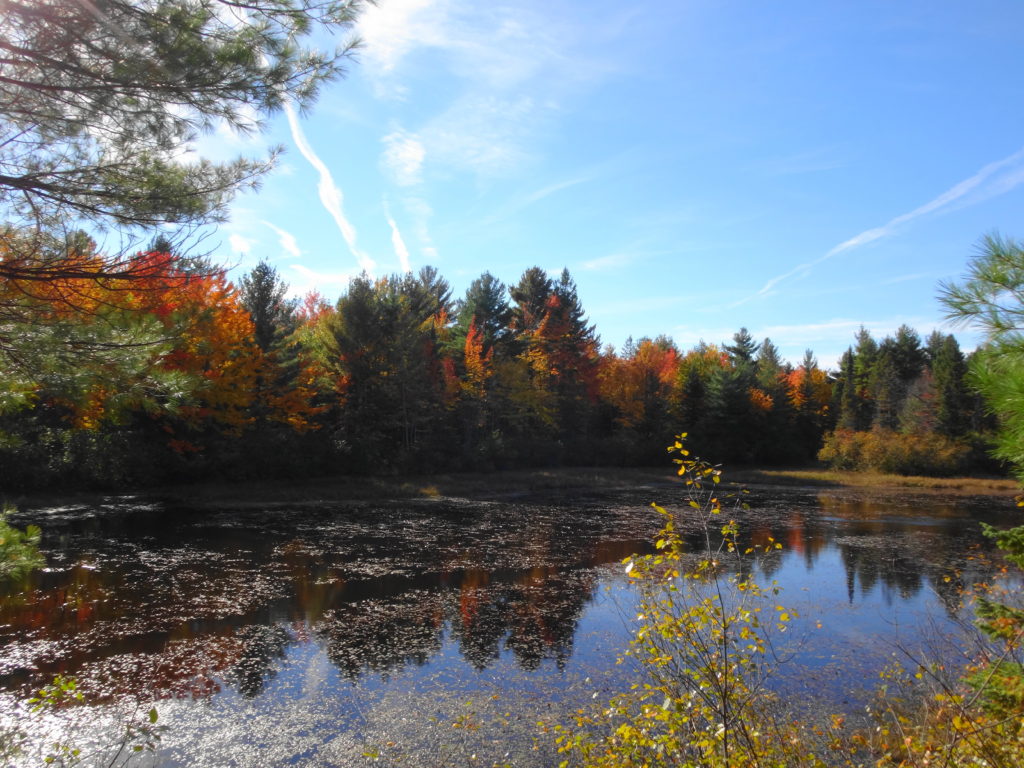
pixel 167 372
pixel 124 364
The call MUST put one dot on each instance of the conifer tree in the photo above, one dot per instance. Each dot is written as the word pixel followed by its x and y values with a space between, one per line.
pixel 989 298
pixel 99 98
pixel 485 305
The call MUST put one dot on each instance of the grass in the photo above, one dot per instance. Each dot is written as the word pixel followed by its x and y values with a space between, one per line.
pixel 830 477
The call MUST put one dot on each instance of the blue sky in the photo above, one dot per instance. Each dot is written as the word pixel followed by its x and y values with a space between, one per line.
pixel 797 168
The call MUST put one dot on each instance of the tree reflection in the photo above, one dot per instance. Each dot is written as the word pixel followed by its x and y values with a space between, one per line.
pixel 181 606
pixel 382 636
pixel 262 647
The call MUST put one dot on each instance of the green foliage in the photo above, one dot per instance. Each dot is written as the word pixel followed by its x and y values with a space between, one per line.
pixel 262 293
pixel 140 732
pixel 382 348
pixel 990 299
pixel 99 98
pixel 704 651
pixel 999 679
pixel 184 377
pixel 19 550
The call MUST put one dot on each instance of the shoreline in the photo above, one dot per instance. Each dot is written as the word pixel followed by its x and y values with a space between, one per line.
pixel 505 485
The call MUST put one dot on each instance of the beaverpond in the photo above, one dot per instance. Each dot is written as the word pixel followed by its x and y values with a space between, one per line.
pixel 435 631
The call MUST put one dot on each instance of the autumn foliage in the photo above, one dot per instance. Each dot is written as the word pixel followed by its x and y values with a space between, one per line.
pixel 166 369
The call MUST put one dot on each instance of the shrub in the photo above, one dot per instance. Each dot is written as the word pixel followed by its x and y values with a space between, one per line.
pixel 883 450
pixel 703 650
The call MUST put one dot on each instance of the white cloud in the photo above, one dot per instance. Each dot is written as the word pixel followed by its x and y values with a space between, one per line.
pixel 311 280
pixel 840 330
pixel 401 251
pixel 907 278
pixel 995 178
pixel 808 161
pixel 551 189
pixel 390 30
pixel 420 211
pixel 403 157
pixel 483 133
pixel 486 56
pixel 240 244
pixel 330 193
pixel 287 240
pixel 611 261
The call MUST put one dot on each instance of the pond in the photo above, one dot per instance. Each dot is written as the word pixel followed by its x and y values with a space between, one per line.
pixel 433 631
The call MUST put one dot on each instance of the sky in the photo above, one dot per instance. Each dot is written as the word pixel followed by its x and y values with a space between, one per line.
pixel 800 169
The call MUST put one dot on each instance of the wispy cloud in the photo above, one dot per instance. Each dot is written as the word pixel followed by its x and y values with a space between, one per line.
pixel 286 239
pixel 995 178
pixel 551 189
pixel 312 280
pixel 330 193
pixel 489 57
pixel 420 212
pixel 391 30
pixel 484 133
pixel 611 261
pixel 403 157
pixel 840 330
pixel 808 161
pixel 401 251
pixel 240 244
pixel 830 339
pixel 906 278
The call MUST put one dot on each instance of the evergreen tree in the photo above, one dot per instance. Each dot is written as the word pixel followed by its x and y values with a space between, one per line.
pixel 809 418
pixel 774 439
pixel 743 349
pixel 531 296
pixel 769 364
pixel 908 356
pixel 949 371
pixel 262 293
pixel 887 389
pixel 865 356
pixel 848 396
pixel 571 344
pixel 99 98
pixel 989 299
pixel 485 305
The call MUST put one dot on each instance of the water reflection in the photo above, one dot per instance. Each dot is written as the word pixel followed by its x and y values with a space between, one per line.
pixel 158 602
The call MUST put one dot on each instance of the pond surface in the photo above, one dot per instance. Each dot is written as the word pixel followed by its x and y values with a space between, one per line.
pixel 435 631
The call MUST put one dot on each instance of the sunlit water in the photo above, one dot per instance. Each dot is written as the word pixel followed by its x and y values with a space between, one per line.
pixel 433 632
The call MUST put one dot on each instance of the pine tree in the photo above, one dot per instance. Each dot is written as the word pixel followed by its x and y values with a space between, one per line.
pixel 98 99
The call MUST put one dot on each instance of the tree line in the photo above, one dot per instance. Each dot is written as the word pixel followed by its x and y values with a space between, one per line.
pixel 175 373
pixel 128 367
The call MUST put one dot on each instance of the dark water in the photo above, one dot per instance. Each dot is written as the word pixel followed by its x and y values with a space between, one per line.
pixel 433 632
